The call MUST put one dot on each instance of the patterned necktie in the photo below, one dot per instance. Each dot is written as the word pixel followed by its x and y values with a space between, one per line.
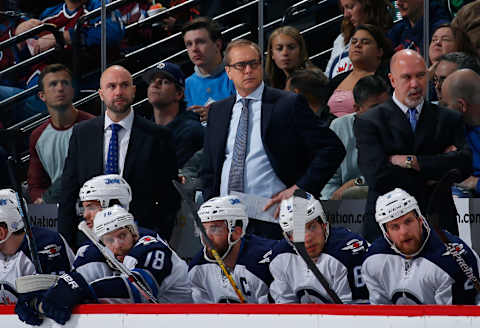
pixel 112 157
pixel 412 117
pixel 236 175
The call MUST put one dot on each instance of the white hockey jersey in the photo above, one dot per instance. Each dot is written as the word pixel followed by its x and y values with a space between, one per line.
pixel 151 260
pixel 251 274
pixel 431 277
pixel 340 263
pixel 55 256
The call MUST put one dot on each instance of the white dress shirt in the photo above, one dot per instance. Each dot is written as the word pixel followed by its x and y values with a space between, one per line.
pixel 405 108
pixel 123 138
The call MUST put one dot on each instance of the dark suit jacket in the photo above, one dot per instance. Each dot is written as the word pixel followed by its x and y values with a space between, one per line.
pixel 150 165
pixel 300 148
pixel 385 130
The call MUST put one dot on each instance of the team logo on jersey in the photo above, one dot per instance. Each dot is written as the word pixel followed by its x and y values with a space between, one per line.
pixel 456 247
pixel 8 294
pixel 147 240
pixel 51 250
pixel 355 246
pixel 3 202
pixel 112 181
pixel 234 201
pixel 266 257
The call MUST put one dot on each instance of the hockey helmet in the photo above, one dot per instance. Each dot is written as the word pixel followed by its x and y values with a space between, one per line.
pixel 10 212
pixel 106 188
pixel 111 219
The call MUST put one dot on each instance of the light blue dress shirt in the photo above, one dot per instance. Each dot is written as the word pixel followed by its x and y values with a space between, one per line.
pixel 260 179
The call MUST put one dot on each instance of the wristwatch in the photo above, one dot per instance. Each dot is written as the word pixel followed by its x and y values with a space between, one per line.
pixel 359 181
pixel 409 162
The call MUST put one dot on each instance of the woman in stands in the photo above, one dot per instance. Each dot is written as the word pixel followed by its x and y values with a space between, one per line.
pixel 355 13
pixel 286 53
pixel 448 39
pixel 369 52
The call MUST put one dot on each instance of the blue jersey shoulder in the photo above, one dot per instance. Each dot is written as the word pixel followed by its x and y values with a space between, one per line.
pixel 88 254
pixel 347 247
pixel 51 250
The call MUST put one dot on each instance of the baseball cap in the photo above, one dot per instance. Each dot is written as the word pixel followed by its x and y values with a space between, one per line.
pixel 169 70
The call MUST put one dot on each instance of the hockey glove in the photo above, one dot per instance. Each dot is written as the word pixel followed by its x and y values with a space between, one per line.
pixel 27 308
pixel 59 300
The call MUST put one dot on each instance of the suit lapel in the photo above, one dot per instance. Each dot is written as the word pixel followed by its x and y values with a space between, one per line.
pixel 137 139
pixel 401 123
pixel 267 109
pixel 96 153
pixel 220 126
pixel 425 125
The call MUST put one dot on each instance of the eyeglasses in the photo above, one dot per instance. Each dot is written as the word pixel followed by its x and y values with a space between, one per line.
pixel 241 66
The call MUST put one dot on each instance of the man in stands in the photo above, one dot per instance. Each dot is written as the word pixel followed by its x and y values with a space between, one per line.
pixel 411 264
pixel 337 252
pixel 246 257
pixel 166 85
pixel 209 83
pixel 49 142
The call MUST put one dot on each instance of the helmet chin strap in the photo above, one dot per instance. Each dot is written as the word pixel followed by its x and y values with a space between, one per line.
pixel 230 245
pixel 427 232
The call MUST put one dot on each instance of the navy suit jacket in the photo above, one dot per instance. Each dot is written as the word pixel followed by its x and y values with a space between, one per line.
pixel 384 131
pixel 150 165
pixel 301 149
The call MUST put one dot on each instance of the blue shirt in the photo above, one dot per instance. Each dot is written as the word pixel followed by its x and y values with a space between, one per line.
pixel 259 178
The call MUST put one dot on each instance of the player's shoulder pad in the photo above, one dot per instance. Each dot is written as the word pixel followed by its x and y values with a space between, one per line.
pixel 197 260
pixel 51 250
pixel 436 252
pixel 282 247
pixel 146 244
pixel 345 241
pixel 380 246
pixel 256 255
pixel 87 254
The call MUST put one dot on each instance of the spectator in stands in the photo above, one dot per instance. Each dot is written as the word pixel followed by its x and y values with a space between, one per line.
pixel 264 141
pixel 312 84
pixel 286 53
pixel 65 16
pixel 166 84
pixel 449 63
pixel 408 32
pixel 49 142
pixel 120 142
pixel 468 20
pixel 13 83
pixel 356 12
pixel 461 92
pixel 408 142
pixel 209 82
pixel 447 39
pixel 369 53
pixel 348 181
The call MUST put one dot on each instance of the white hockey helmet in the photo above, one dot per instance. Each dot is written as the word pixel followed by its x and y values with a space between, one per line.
pixel 10 212
pixel 228 208
pixel 393 205
pixel 106 188
pixel 111 219
pixel 305 208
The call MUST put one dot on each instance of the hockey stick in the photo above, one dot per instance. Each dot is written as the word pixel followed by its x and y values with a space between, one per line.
pixel 191 208
pixel 82 226
pixel 443 188
pixel 32 245
pixel 299 243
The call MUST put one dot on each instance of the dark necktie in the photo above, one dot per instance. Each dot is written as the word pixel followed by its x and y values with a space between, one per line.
pixel 412 117
pixel 237 169
pixel 112 157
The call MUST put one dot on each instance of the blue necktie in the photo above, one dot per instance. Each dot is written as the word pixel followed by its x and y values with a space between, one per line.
pixel 112 157
pixel 412 117
pixel 237 169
